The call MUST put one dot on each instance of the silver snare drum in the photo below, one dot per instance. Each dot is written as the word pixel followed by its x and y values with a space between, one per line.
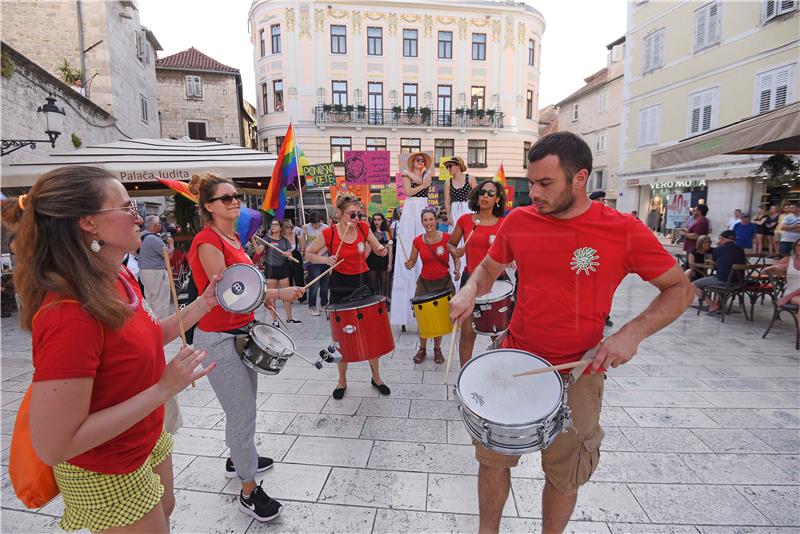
pixel 242 288
pixel 267 349
pixel 512 415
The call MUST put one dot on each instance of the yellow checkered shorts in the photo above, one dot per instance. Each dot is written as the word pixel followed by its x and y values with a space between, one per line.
pixel 97 501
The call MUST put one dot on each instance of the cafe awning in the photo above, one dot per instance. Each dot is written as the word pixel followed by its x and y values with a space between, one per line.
pixel 139 163
pixel 775 132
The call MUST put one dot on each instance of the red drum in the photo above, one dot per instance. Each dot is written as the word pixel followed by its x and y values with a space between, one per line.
pixel 361 328
pixel 492 313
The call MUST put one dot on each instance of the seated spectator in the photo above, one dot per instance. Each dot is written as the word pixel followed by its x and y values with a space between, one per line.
pixel 745 231
pixel 725 256
pixel 696 257
pixel 789 266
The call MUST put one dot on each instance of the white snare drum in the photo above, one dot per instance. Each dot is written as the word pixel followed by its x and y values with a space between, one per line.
pixel 512 415
pixel 242 288
pixel 267 349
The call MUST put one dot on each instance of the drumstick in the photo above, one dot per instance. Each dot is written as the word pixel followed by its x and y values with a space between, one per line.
pixel 403 248
pixel 476 223
pixel 554 368
pixel 291 258
pixel 341 240
pixel 177 306
pixel 450 354
pixel 273 310
pixel 317 279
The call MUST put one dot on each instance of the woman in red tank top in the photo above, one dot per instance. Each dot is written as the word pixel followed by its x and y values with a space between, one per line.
pixel 488 200
pixel 347 241
pixel 214 249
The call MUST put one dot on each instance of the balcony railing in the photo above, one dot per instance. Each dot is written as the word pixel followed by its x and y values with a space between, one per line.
pixel 351 116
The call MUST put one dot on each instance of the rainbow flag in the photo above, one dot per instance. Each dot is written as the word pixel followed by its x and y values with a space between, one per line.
pixel 246 225
pixel 500 175
pixel 286 172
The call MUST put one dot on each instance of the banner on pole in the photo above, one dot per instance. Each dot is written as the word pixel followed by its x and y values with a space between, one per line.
pixel 319 175
pixel 367 166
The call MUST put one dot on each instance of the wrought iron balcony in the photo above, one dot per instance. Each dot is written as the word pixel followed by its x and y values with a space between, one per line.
pixel 426 117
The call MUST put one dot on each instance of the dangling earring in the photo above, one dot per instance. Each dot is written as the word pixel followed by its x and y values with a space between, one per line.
pixel 97 245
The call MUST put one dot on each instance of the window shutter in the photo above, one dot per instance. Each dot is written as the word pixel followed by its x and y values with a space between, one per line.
pixel 708 102
pixel 643 127
pixel 765 83
pixel 782 80
pixel 770 9
pixel 658 49
pixel 700 28
pixel 648 53
pixel 713 24
pixel 786 5
pixel 694 113
pixel 654 126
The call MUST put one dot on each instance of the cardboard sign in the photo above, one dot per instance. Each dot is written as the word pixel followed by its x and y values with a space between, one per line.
pixel 678 209
pixel 444 174
pixel 361 191
pixel 320 175
pixel 401 191
pixel 374 207
pixel 367 166
pixel 389 197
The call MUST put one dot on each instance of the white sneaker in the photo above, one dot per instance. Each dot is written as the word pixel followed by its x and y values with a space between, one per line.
pixel 312 310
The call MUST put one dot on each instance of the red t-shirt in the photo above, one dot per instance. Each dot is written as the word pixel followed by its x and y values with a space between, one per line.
pixel 354 254
pixel 479 244
pixel 435 261
pixel 218 319
pixel 568 271
pixel 68 342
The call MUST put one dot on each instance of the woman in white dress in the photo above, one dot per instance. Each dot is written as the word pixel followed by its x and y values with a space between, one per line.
pixel 416 182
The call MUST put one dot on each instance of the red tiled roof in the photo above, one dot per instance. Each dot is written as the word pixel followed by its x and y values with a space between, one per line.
pixel 193 59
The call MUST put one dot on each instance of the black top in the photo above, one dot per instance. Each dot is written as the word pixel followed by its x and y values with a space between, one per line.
pixel 462 193
pixel 422 193
pixel 725 257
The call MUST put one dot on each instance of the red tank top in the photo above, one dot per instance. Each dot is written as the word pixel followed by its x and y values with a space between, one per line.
pixel 354 254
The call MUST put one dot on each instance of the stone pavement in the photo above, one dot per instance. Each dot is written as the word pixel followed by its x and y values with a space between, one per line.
pixel 701 436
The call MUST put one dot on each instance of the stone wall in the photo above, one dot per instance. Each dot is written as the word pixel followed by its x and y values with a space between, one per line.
pixel 218 108
pixel 25 90
pixel 46 32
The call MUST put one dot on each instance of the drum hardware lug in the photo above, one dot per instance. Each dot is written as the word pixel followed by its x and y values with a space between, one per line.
pixel 541 434
pixel 486 433
pixel 435 303
pixel 503 309
pixel 476 313
pixel 338 319
pixel 359 316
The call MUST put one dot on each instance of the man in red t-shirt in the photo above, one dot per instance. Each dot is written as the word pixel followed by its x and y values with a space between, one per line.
pixel 571 254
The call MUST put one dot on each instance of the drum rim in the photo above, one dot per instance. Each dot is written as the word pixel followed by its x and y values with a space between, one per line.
pixel 356 304
pixel 262 290
pixel 466 408
pixel 430 297
pixel 258 369
pixel 484 299
pixel 270 327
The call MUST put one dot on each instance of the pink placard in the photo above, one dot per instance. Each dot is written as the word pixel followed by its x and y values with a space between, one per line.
pixel 367 166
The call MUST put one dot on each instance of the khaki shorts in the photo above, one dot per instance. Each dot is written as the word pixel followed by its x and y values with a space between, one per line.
pixel 572 457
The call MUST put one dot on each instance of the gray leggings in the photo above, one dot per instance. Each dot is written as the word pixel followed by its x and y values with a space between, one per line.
pixel 235 385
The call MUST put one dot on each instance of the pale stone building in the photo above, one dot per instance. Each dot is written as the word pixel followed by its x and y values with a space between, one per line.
pixel 106 41
pixel 593 112
pixel 691 68
pixel 449 77
pixel 200 98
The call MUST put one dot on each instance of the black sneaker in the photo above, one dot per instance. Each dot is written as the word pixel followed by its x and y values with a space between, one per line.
pixel 263 465
pixel 259 505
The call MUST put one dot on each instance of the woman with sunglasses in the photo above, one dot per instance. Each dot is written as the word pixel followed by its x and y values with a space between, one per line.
pixel 215 248
pixel 457 189
pixel 276 266
pixel 100 379
pixel 488 201
pixel 294 235
pixel 416 183
pixel 379 267
pixel 348 241
pixel 432 247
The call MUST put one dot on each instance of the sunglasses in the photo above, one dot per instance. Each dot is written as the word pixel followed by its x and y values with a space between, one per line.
pixel 132 209
pixel 227 199
pixel 484 192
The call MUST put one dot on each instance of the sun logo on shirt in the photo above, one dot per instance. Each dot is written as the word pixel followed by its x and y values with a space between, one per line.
pixel 361 247
pixel 584 260
pixel 491 239
pixel 149 310
pixel 440 250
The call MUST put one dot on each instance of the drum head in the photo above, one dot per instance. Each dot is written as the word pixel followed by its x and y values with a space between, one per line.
pixel 241 289
pixel 356 304
pixel 428 297
pixel 488 388
pixel 270 339
pixel 500 289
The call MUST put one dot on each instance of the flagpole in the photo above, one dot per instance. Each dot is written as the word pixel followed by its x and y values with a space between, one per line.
pixel 299 181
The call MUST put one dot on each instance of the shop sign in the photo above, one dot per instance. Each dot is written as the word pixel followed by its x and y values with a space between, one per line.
pixel 679 183
pixel 677 209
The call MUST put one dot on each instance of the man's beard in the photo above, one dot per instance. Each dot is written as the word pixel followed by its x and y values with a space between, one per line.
pixel 563 203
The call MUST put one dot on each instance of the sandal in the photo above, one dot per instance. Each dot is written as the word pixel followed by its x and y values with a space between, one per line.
pixel 420 356
pixel 438 357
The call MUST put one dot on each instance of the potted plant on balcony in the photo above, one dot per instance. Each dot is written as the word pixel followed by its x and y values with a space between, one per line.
pixel 470 113
pixel 481 113
pixel 349 108
pixel 362 111
pixel 327 108
pixel 425 114
pixel 396 112
pixel 460 112
pixel 338 108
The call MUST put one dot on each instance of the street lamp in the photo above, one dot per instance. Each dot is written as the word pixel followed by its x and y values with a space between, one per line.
pixel 53 124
